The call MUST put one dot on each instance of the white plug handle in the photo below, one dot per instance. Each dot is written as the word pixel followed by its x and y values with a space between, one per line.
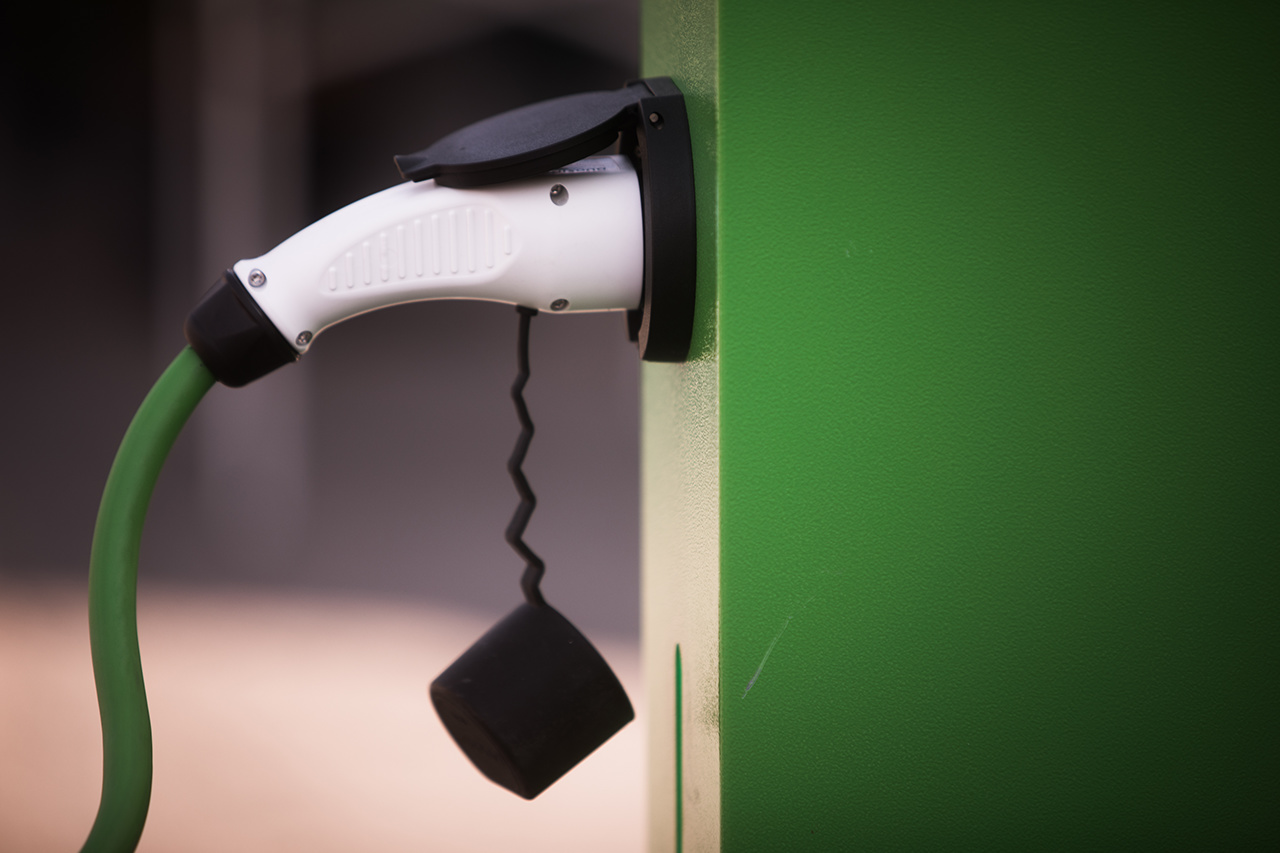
pixel 570 240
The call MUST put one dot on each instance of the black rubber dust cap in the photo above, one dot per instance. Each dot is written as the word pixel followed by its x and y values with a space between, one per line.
pixel 530 700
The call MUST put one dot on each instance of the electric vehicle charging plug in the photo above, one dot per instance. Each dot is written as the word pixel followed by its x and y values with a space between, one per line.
pixel 504 209
pixel 569 240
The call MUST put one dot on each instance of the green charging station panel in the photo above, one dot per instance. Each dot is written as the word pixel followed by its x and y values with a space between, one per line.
pixel 963 516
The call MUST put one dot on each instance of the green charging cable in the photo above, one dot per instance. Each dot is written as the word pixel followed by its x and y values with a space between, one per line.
pixel 113 603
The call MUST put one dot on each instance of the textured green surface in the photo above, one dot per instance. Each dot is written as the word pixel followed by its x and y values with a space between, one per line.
pixel 998 346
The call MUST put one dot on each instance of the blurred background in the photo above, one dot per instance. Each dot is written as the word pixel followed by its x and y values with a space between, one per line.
pixel 146 146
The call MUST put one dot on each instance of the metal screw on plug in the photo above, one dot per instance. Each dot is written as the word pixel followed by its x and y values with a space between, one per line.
pixel 304 338
pixel 257 278
pixel 559 195
pixel 655 119
pixel 560 305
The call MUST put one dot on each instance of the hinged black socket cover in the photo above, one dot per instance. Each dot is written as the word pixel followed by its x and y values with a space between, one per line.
pixel 528 141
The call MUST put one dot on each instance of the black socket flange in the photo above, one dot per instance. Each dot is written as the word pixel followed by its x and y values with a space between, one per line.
pixel 665 160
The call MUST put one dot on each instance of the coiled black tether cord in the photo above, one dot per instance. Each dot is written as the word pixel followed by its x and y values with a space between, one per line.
pixel 534 567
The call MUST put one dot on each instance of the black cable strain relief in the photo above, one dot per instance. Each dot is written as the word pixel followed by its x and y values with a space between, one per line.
pixel 234 339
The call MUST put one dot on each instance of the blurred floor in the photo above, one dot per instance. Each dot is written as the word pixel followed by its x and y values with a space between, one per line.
pixel 283 723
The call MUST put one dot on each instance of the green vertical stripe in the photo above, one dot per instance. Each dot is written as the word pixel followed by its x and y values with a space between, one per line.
pixel 679 753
